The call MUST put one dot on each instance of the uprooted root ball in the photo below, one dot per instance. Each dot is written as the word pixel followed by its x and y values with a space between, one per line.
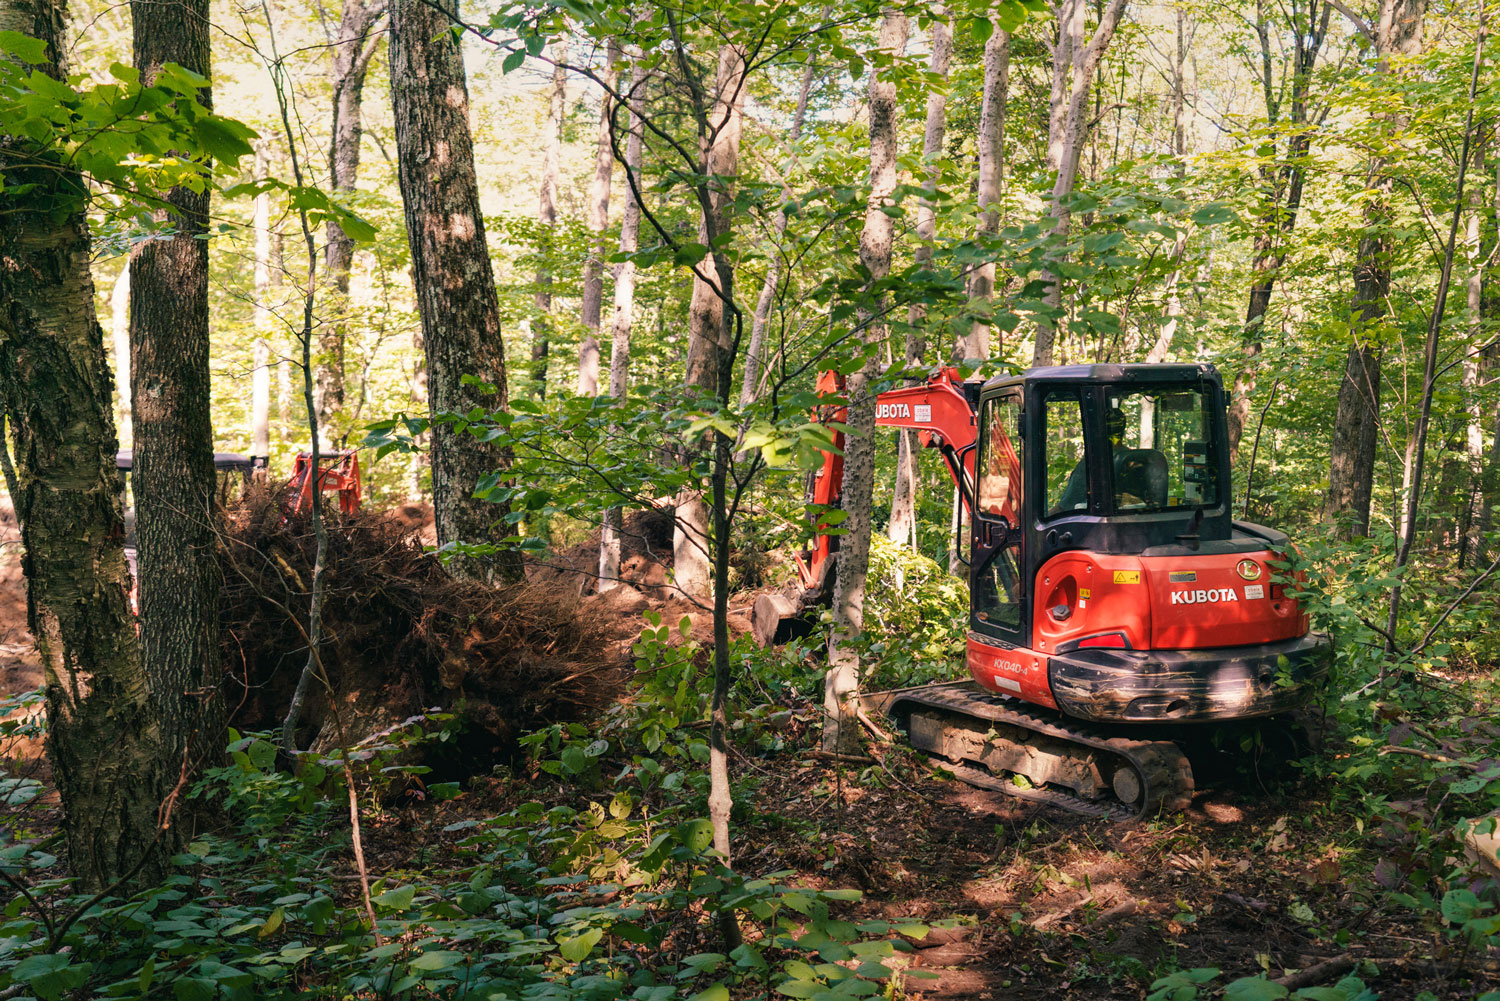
pixel 400 634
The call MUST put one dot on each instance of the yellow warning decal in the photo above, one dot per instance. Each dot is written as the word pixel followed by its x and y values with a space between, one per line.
pixel 1085 593
pixel 1127 576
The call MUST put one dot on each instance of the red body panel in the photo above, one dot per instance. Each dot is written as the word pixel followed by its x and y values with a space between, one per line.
pixel 1208 604
pixel 1012 671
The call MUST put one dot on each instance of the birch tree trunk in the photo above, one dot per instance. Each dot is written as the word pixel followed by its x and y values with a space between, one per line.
pixel 119 318
pixel 353 47
pixel 624 306
pixel 173 476
pixel 546 214
pixel 102 736
pixel 593 268
pixel 1075 57
pixel 976 346
pixel 1351 465
pixel 750 386
pixel 451 271
pixel 265 319
pixel 902 525
pixel 709 321
pixel 841 684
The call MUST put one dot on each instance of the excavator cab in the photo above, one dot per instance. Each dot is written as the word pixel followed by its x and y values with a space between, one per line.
pixel 1108 578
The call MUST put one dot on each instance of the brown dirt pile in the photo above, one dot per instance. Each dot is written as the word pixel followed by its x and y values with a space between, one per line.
pixel 401 634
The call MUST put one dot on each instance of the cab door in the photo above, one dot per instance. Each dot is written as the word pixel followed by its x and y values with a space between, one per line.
pixel 999 602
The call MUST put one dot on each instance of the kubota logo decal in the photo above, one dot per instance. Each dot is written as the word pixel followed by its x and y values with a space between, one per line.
pixel 1249 569
pixel 892 411
pixel 1202 596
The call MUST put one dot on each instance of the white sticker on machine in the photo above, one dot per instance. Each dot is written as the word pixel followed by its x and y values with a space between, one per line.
pixel 922 413
pixel 1255 591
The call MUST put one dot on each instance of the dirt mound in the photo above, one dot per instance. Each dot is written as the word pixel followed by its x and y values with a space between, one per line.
pixel 400 634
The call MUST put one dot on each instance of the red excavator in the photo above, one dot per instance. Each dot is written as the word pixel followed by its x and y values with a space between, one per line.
pixel 1113 598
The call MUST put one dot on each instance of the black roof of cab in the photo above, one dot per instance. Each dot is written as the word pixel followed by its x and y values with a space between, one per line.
pixel 1100 374
pixel 230 461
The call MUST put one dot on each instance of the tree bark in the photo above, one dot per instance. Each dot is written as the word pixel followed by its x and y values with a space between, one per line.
pixel 750 386
pixel 902 525
pixel 102 735
pixel 1074 61
pixel 546 215
pixel 451 270
pixel 710 323
pixel 593 268
pixel 173 474
pixel 265 318
pixel 1351 466
pixel 624 307
pixel 991 176
pixel 353 48
pixel 841 684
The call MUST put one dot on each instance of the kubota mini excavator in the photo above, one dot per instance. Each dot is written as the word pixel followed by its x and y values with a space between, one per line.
pixel 1112 596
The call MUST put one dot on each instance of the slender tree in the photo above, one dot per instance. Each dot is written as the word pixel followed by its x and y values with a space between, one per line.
pixel 710 323
pixel 624 304
pixel 102 733
pixel 353 46
pixel 1281 185
pixel 841 685
pixel 593 268
pixel 173 473
pixel 902 524
pixel 119 328
pixel 451 271
pixel 1075 57
pixel 991 178
pixel 546 216
pixel 751 377
pixel 1351 466
pixel 265 317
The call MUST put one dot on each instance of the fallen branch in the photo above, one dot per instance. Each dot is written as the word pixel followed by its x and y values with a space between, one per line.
pixel 1317 973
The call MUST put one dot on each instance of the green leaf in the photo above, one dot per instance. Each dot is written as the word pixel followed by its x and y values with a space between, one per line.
pixel 194 989
pixel 1214 214
pixel 272 923
pixel 799 988
pixel 718 992
pixel 513 61
pixel 696 834
pixel 223 139
pixel 438 959
pixel 576 949
pixel 1254 989
pixel 395 900
pixel 980 29
pixel 23 47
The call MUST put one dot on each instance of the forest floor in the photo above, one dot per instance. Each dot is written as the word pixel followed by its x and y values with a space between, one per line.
pixel 1050 905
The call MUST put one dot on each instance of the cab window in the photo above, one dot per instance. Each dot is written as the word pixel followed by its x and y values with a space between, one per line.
pixel 1163 448
pixel 1062 440
pixel 999 465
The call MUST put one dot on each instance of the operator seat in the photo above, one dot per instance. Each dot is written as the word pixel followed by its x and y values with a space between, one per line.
pixel 1141 473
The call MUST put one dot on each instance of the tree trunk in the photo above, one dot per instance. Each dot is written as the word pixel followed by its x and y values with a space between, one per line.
pixel 1351 467
pixel 265 319
pixel 119 310
pixel 353 48
pixel 173 475
pixel 841 685
pixel 1073 64
pixel 593 268
pixel 709 321
pixel 102 735
pixel 902 525
pixel 750 386
pixel 546 214
pixel 619 360
pixel 976 347
pixel 450 264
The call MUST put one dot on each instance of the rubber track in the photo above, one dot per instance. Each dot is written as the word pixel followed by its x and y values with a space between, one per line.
pixel 1165 773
